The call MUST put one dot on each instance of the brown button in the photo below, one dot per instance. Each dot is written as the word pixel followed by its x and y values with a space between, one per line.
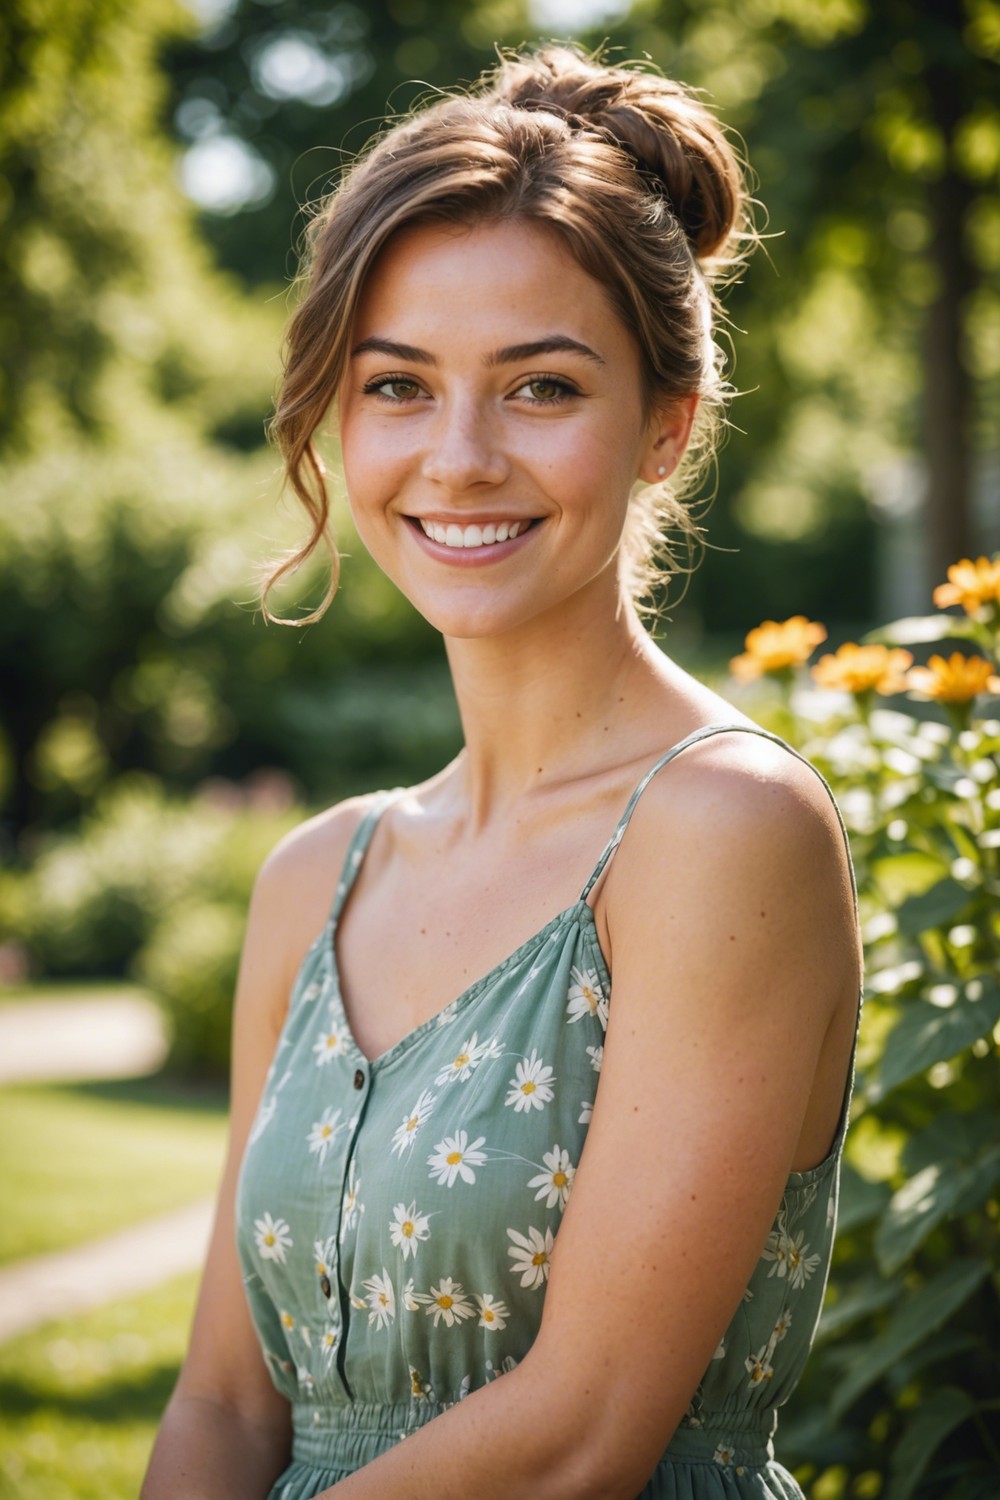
pixel 359 1079
pixel 324 1285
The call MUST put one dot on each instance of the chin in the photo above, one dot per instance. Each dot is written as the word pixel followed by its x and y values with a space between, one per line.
pixel 496 624
pixel 473 625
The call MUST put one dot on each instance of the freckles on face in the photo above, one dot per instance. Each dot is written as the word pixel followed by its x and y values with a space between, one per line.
pixel 491 385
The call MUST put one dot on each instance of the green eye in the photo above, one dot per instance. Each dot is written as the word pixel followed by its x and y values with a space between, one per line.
pixel 395 388
pixel 547 389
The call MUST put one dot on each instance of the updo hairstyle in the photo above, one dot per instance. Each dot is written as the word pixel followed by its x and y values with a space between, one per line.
pixel 633 172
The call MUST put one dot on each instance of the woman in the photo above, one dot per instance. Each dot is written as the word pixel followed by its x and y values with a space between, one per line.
pixel 509 304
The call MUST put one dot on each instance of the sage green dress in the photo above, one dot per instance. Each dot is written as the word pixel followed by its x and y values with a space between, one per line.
pixel 395 1217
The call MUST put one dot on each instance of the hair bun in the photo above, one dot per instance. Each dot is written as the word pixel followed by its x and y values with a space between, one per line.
pixel 669 133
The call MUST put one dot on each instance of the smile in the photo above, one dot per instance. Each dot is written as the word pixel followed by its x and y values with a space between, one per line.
pixel 473 536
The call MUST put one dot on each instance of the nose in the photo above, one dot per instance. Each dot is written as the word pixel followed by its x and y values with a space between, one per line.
pixel 464 451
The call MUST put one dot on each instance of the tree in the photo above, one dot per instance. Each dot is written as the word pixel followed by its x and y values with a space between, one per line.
pixel 875 130
pixel 285 94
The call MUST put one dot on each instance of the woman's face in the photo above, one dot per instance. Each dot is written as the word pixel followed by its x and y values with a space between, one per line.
pixel 492 425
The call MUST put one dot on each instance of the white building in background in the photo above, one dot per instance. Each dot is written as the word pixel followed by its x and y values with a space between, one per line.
pixel 897 494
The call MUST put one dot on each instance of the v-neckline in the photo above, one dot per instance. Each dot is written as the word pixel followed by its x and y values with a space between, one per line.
pixel 580 910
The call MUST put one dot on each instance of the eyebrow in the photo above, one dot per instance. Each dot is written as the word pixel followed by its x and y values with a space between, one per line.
pixel 513 354
pixel 556 343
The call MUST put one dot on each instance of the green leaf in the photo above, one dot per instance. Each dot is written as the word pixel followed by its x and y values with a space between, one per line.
pixel 864 1297
pixel 933 1420
pixel 937 1348
pixel 931 1196
pixel 943 774
pixel 974 1487
pixel 906 873
pixel 919 630
pixel 926 1034
pixel 951 1136
pixel 921 1313
pixel 937 907
pixel 860 1200
pixel 898 980
pixel 977 1181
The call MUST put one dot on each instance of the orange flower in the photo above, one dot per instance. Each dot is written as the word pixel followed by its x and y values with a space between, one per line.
pixel 864 669
pixel 958 679
pixel 970 584
pixel 777 646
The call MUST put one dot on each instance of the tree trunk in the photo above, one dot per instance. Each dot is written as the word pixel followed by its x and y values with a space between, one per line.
pixel 947 384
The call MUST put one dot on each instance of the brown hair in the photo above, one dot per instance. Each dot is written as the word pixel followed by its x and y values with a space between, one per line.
pixel 630 168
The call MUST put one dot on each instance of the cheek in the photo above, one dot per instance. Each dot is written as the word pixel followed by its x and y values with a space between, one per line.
pixel 371 468
pixel 599 469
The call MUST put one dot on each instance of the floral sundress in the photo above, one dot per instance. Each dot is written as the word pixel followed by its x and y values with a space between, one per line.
pixel 396 1217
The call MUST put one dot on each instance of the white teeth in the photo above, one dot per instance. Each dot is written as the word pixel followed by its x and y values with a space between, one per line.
pixel 472 536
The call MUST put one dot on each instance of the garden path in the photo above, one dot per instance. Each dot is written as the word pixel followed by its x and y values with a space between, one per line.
pixel 115 1036
pixel 52 1040
pixel 67 1282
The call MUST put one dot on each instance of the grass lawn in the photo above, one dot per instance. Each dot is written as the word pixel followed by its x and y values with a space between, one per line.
pixel 80 1401
pixel 79 1161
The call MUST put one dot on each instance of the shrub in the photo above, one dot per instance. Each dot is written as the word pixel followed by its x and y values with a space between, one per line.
pixel 156 886
pixel 901 1397
pixel 190 964
pixel 95 896
pixel 191 958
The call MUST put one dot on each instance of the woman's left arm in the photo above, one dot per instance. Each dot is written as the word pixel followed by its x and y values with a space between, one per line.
pixel 735 953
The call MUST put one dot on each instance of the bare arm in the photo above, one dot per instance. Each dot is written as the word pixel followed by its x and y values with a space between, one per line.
pixel 736 971
pixel 226 1431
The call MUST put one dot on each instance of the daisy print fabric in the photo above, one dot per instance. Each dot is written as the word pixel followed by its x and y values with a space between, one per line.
pixel 402 1214
pixel 398 1218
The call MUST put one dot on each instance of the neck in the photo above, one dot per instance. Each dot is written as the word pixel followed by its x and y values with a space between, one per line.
pixel 542 704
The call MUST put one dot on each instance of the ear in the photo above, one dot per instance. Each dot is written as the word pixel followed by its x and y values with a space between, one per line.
pixel 667 437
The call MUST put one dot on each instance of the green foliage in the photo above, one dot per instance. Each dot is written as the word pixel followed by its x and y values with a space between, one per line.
pixel 301 88
pixel 900 1398
pixel 106 295
pixel 95 898
pixel 157 887
pixel 191 963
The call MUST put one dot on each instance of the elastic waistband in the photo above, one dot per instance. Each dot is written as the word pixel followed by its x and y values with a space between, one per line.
pixel 348 1436
pixel 352 1434
pixel 724 1440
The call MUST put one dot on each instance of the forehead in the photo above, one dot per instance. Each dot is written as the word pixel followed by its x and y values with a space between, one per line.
pixel 434 284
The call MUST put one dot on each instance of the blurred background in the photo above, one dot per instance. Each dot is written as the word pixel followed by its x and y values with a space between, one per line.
pixel 158 162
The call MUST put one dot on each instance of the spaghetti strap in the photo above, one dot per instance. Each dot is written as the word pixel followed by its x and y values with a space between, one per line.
pixel 357 849
pixel 704 733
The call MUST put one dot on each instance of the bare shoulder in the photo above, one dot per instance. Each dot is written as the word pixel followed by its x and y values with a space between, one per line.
pixel 736 847
pixel 315 849
pixel 738 796
pixel 295 885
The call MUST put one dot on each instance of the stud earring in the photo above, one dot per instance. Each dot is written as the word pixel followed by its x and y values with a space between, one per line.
pixel 662 470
